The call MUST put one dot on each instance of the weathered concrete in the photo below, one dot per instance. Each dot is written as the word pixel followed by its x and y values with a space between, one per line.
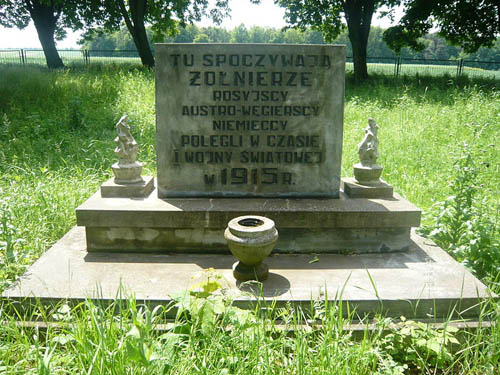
pixel 210 240
pixel 249 120
pixel 152 212
pixel 197 224
pixel 420 283
pixel 142 189
pixel 377 189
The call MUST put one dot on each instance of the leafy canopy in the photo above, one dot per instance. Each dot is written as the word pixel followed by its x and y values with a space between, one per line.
pixel 468 23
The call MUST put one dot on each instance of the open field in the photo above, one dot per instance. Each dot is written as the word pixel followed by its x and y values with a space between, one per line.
pixel 426 69
pixel 438 68
pixel 439 141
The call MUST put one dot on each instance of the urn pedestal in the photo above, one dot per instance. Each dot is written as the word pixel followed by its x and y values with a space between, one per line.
pixel 251 239
pixel 367 175
pixel 127 173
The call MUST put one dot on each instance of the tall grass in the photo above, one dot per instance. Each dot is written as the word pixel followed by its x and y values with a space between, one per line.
pixel 210 336
pixel 56 147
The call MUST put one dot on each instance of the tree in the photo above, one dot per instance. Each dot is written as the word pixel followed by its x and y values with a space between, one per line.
pixel 240 35
pixel 326 16
pixel 217 35
pixel 258 34
pixel 201 38
pixel 118 40
pixel 164 17
pixel 50 18
pixel 468 23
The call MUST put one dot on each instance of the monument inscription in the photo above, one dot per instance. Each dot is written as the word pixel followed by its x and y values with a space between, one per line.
pixel 249 120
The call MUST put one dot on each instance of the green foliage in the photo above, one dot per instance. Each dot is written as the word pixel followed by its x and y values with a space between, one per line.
pixel 465 224
pixel 328 17
pixel 470 24
pixel 324 16
pixel 210 335
pixel 418 345
pixel 201 310
pixel 163 18
pixel 11 245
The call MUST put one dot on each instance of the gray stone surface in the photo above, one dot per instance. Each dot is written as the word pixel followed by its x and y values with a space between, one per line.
pixel 211 240
pixel 249 119
pixel 421 283
pixel 376 189
pixel 197 224
pixel 110 189
pixel 216 213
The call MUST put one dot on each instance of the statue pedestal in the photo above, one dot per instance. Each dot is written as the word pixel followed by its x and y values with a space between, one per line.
pixel 141 189
pixel 127 173
pixel 367 175
pixel 375 190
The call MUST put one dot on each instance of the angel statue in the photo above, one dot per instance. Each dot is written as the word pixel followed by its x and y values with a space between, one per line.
pixel 127 170
pixel 368 148
pixel 367 171
pixel 126 146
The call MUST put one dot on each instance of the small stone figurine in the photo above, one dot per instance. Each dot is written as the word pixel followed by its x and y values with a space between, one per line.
pixel 368 171
pixel 127 170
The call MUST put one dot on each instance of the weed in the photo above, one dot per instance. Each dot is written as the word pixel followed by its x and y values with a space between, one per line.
pixel 419 345
pixel 463 223
pixel 11 256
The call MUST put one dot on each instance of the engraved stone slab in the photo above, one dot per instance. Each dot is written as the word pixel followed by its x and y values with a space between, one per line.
pixel 249 120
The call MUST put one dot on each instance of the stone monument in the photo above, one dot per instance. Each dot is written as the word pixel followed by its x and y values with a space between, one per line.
pixel 246 130
pixel 261 123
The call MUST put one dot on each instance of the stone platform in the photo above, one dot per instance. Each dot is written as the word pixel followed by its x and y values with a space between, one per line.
pixel 196 225
pixel 423 282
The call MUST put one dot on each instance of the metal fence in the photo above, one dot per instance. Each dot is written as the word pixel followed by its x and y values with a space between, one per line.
pixel 396 66
pixel 399 66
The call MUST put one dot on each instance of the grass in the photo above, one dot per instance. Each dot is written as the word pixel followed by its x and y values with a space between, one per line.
pixel 56 148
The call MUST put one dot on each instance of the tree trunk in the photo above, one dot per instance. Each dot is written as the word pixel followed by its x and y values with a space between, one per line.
pixel 358 14
pixel 45 19
pixel 142 45
pixel 135 25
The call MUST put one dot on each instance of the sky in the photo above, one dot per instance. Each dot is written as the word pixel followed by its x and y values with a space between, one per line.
pixel 243 12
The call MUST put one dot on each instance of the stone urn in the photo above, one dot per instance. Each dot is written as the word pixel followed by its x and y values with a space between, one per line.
pixel 367 175
pixel 251 239
pixel 127 173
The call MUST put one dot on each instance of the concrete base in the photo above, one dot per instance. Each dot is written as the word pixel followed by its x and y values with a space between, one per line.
pixel 142 189
pixel 421 283
pixel 378 189
pixel 208 240
pixel 342 225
